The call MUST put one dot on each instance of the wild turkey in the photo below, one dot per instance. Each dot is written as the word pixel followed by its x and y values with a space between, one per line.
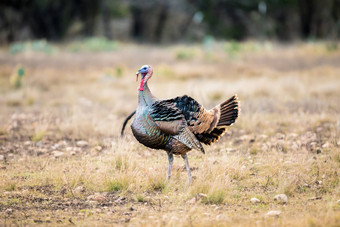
pixel 180 124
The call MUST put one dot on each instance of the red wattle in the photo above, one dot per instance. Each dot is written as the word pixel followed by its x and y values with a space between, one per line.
pixel 141 85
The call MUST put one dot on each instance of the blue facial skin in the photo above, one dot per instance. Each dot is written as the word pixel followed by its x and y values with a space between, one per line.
pixel 144 70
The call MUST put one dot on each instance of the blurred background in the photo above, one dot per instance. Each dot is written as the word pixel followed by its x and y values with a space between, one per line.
pixel 161 21
pixel 89 51
pixel 68 82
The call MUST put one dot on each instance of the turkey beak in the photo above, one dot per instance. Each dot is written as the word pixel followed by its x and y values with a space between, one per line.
pixel 137 73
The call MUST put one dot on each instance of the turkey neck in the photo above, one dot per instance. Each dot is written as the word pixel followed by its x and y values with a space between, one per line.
pixel 145 98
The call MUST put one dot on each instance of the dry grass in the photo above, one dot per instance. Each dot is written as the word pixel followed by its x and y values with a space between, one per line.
pixel 286 140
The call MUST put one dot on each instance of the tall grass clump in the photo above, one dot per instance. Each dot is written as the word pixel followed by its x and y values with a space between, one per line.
pixel 117 185
pixel 156 182
pixel 215 196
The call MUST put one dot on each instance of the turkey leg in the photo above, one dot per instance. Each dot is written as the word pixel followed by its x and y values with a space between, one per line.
pixel 185 157
pixel 171 160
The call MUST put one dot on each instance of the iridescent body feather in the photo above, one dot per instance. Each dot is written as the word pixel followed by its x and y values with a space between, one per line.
pixel 179 125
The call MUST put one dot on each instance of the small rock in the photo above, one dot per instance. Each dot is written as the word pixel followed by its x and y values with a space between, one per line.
pixel 2 157
pixel 281 198
pixel 273 213
pixel 192 201
pixel 338 202
pixel 9 211
pixel 244 137
pixel 82 143
pixel 201 195
pixel 55 146
pixel 90 197
pixel 263 136
pixel 98 148
pixel 57 154
pixel 92 203
pixel 69 149
pixel 255 200
pixel 326 145
pixel 228 150
pixel 96 197
pixel 221 217
pixel 79 189
pixel 27 143
pixel 315 198
pixel 217 208
pixel 121 200
pixel 77 149
pixel 295 147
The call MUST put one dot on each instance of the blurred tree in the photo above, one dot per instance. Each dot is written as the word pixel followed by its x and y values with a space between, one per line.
pixel 168 21
pixel 320 19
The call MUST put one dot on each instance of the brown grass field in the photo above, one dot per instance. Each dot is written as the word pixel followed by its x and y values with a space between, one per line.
pixel 63 162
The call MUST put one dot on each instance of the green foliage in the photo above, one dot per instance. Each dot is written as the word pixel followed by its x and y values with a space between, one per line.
pixel 35 46
pixel 337 158
pixel 185 54
pixel 215 197
pixel 232 48
pixel 140 198
pixel 86 212
pixel 120 163
pixel 116 185
pixel 253 151
pixel 119 71
pixel 38 136
pixel 332 46
pixel 16 48
pixel 21 71
pixel 16 77
pixel 117 9
pixel 96 44
pixel 158 184
pixel 208 41
pixel 10 186
pixel 30 101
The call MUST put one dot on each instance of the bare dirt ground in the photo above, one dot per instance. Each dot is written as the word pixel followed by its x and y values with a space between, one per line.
pixel 63 162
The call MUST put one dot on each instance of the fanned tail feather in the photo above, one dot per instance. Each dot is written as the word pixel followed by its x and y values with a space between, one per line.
pixel 229 112
pixel 210 138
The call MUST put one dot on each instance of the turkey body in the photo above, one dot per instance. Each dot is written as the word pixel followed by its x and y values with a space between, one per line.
pixel 180 124
pixel 146 130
